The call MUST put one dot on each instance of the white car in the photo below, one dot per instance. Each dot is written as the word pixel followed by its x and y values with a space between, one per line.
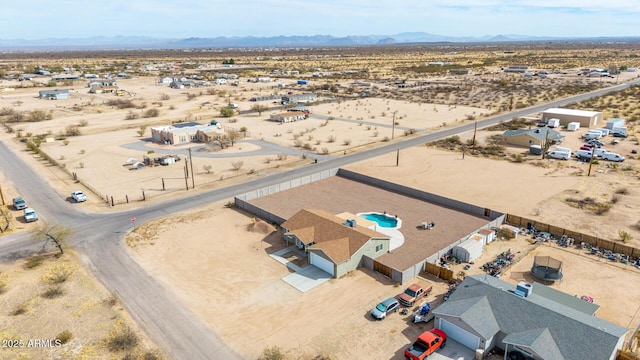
pixel 79 196
pixel 30 215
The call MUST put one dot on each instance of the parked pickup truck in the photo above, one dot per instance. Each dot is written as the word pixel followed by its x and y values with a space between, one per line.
pixel 412 294
pixel 426 344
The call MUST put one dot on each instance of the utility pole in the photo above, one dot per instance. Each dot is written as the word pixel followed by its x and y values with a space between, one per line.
pixel 393 124
pixel 193 175
pixel 545 146
pixel 473 142
pixel 593 151
pixel 397 157
pixel 2 196
pixel 186 175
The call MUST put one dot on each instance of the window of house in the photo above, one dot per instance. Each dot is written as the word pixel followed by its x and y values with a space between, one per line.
pixel 379 247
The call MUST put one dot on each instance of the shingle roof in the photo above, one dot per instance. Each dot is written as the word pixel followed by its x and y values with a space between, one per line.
pixel 539 341
pixel 538 133
pixel 329 233
pixel 577 335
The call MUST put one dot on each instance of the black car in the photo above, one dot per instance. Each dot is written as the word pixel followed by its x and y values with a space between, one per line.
pixel 620 135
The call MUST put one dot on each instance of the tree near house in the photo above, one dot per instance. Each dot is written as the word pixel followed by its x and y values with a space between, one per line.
pixel 233 135
pixel 259 108
pixel 54 233
pixel 143 128
pixel 227 111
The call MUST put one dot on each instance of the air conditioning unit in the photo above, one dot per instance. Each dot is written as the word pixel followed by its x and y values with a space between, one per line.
pixel 523 289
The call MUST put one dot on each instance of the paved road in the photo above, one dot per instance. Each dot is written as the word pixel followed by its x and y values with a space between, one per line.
pixel 99 237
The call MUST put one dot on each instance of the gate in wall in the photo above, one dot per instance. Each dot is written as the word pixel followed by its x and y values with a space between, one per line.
pixel 382 269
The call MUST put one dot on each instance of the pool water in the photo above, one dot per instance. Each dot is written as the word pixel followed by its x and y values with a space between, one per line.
pixel 382 220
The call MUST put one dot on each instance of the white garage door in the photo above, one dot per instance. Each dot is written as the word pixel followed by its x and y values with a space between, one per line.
pixel 460 335
pixel 321 263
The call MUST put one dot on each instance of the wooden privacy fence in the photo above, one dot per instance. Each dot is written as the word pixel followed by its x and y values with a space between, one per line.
pixel 439 271
pixel 577 236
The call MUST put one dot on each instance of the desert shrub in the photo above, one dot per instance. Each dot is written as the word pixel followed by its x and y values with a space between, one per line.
pixel 110 300
pixel 82 152
pixel 324 151
pixel 227 112
pixel 83 122
pixel 385 139
pixel 72 130
pixel 151 355
pixel 81 165
pixel 122 338
pixel 38 115
pixel 506 234
pixel 191 96
pixel 65 142
pixel 64 336
pixel 272 353
pixel 297 143
pixel 152 113
pixel 622 191
pixel 243 129
pixel 324 356
pixel 615 199
pixel 307 146
pixel 346 142
pixel 33 262
pixel 16 117
pixel 4 281
pixel 282 156
pixel 57 273
pixel 121 103
pixel 19 309
pixel 132 115
pixel 164 97
pixel 331 139
pixel 237 165
pixel 6 111
pixel 624 236
pixel 52 292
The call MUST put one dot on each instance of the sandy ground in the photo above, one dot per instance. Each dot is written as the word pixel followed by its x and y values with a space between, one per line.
pixel 238 290
pixel 235 287
pixel 607 282
pixel 84 309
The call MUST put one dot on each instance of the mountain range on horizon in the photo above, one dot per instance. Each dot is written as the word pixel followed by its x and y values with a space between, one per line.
pixel 146 42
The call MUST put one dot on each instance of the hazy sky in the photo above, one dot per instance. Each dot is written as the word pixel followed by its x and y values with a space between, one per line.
pixel 38 19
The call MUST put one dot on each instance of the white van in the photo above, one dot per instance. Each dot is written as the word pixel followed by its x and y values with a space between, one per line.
pixel 598 152
pixel 592 134
pixel 583 155
pixel 612 157
pixel 561 155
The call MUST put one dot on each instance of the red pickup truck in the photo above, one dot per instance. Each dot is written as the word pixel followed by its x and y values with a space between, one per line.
pixel 426 344
pixel 413 293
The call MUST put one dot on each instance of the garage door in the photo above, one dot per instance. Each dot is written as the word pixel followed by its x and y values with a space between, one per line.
pixel 321 263
pixel 460 335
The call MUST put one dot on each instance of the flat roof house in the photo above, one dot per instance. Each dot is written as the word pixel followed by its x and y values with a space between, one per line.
pixel 585 118
pixel 527 137
pixel 334 245
pixel 289 116
pixel 185 133
pixel 536 321
pixel 300 98
pixel 57 94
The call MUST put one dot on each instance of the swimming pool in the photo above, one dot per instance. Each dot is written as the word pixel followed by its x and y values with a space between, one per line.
pixel 383 220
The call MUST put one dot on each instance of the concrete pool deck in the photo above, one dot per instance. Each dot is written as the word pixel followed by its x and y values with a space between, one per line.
pixel 397 239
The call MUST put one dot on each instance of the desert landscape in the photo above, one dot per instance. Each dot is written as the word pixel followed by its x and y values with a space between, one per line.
pixel 216 259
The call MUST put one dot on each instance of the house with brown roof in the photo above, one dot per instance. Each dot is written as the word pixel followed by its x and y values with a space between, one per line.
pixel 335 245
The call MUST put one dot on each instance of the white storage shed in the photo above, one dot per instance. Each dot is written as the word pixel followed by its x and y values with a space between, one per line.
pixel 468 250
pixel 614 123
pixel 573 126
